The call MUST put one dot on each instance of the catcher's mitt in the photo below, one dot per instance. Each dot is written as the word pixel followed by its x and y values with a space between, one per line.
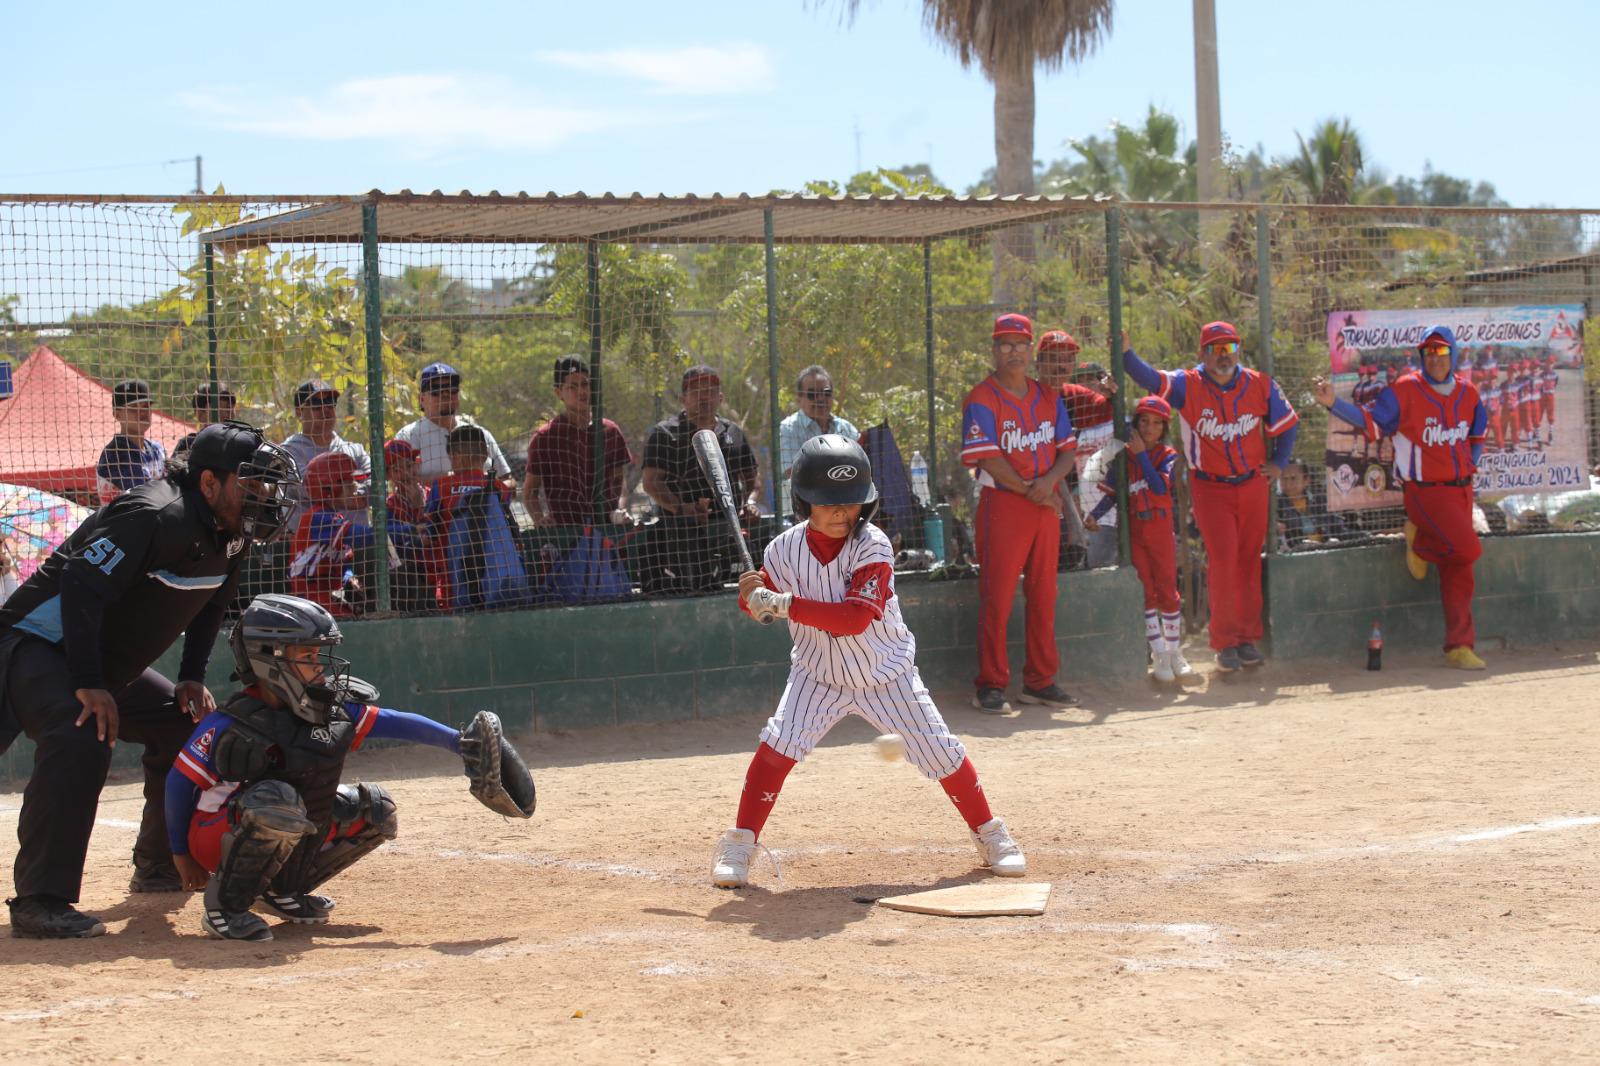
pixel 498 777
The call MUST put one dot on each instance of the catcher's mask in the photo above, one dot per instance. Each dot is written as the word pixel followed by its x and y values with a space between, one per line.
pixel 268 628
pixel 831 469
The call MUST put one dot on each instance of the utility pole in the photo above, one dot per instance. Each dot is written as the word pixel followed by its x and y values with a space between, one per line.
pixel 1208 122
pixel 199 183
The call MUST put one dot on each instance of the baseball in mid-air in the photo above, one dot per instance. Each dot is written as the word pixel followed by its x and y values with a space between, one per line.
pixel 891 747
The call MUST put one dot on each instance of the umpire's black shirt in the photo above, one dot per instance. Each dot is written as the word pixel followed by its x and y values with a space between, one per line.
pixel 670 447
pixel 147 566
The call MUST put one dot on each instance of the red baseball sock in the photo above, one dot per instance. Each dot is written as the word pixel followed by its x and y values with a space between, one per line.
pixel 966 792
pixel 762 783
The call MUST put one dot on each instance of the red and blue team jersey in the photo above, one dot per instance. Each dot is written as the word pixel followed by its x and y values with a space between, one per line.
pixel 1225 430
pixel 1030 431
pixel 1549 381
pixel 1146 499
pixel 1367 390
pixel 1434 433
pixel 197 759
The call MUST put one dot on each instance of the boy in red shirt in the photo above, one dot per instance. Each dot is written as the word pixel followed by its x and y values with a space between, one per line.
pixel 322 565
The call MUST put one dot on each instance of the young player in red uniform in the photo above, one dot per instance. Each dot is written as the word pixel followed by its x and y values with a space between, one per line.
pixel 1549 382
pixel 1438 424
pixel 1151 540
pixel 832 578
pixel 1229 413
pixel 1019 436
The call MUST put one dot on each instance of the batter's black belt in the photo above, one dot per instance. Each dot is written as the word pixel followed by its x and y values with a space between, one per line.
pixel 1459 482
pixel 1237 479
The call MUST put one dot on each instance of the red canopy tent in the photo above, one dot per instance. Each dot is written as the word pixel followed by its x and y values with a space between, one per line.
pixel 55 423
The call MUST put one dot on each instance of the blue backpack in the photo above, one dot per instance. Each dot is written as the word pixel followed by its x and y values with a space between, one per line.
pixel 589 573
pixel 484 568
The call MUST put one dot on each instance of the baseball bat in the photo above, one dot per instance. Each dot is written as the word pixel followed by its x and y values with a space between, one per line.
pixel 709 453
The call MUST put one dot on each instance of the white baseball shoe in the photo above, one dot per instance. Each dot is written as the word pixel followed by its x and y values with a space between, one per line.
pixel 998 851
pixel 731 867
pixel 1180 665
pixel 1162 671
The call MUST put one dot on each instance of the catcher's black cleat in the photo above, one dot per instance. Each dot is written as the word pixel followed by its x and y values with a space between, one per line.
pixel 50 918
pixel 234 925
pixel 161 877
pixel 302 908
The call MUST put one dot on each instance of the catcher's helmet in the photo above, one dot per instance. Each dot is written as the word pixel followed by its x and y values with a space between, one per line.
pixel 273 623
pixel 831 469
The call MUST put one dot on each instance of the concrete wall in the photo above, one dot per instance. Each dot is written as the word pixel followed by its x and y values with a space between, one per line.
pixel 1530 590
pixel 672 660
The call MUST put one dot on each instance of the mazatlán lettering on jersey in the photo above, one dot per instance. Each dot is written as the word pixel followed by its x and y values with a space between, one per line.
pixel 1029 431
pixel 1210 426
pixel 1433 433
pixel 1223 427
pixel 862 572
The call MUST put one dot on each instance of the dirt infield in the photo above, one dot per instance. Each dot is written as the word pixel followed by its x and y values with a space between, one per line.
pixel 1396 866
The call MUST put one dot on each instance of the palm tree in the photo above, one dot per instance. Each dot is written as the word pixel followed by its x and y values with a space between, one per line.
pixel 1329 164
pixel 1007 39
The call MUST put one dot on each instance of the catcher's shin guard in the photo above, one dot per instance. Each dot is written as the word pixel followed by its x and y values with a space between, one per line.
pixel 364 816
pixel 269 819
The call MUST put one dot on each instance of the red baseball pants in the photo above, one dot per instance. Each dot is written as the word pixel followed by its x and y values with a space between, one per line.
pixel 1015 536
pixel 1233 524
pixel 1445 537
pixel 1155 557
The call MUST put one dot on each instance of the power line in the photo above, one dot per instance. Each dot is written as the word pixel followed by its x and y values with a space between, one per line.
pixel 91 170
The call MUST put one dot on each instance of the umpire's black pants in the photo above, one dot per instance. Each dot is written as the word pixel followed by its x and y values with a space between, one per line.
pixel 70 764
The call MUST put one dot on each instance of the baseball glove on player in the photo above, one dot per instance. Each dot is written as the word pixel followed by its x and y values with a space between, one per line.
pixel 499 778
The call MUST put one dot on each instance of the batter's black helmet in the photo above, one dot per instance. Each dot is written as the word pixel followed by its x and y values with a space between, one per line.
pixel 831 469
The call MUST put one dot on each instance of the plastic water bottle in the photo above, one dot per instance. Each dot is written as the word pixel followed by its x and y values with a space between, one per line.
pixel 1375 648
pixel 919 478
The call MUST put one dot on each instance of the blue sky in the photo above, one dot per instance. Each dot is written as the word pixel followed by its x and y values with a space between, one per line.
pixel 745 97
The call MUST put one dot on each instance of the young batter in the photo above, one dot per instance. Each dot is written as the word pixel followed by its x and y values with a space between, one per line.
pixel 832 578
pixel 1151 541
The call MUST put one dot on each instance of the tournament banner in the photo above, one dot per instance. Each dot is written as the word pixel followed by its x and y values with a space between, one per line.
pixel 1527 364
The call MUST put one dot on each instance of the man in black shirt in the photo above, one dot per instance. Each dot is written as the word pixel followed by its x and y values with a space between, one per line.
pixel 77 640
pixel 690 549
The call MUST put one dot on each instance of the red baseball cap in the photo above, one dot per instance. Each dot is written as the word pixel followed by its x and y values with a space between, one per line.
pixel 1058 340
pixel 401 449
pixel 1013 323
pixel 1213 332
pixel 1153 405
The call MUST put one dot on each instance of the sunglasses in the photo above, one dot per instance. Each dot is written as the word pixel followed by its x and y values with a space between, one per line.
pixel 1436 349
pixel 817 394
pixel 1014 346
pixel 1223 347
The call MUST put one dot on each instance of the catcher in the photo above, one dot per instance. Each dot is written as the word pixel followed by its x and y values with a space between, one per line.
pixel 256 813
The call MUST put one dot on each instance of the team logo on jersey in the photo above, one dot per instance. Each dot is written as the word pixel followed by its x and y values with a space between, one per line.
pixel 1012 439
pixel 842 472
pixel 869 591
pixel 975 432
pixel 202 746
pixel 1214 428
pixel 1436 434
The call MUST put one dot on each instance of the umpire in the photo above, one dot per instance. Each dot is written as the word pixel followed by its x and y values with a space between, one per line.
pixel 76 644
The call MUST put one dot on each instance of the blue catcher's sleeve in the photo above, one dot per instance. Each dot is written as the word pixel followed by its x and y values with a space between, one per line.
pixel 415 729
pixel 182 796
pixel 1170 387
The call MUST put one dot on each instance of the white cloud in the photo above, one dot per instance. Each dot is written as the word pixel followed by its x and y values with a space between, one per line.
pixel 702 70
pixel 430 112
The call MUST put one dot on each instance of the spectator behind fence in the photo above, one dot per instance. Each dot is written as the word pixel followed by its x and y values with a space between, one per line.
pixel 1232 416
pixel 227 408
pixel 814 391
pixel 1018 436
pixel 325 553
pixel 558 486
pixel 316 405
pixel 470 527
pixel 414 579
pixel 129 458
pixel 1087 388
pixel 440 396
pixel 689 550
pixel 1303 516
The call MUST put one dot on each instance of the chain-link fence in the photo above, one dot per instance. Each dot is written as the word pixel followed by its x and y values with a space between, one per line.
pixel 521 338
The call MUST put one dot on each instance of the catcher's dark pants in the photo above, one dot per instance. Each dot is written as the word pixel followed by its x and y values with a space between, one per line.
pixel 70 764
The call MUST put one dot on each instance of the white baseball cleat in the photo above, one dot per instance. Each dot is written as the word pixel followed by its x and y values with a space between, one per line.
pixel 1180 665
pixel 998 851
pixel 1162 671
pixel 731 867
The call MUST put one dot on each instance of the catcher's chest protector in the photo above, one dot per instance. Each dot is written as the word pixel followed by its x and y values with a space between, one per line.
pixel 265 742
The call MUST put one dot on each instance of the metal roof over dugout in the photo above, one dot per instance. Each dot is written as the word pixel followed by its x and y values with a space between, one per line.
pixel 436 218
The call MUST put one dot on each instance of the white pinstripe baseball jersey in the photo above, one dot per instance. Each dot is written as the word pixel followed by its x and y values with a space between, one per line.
pixel 885 649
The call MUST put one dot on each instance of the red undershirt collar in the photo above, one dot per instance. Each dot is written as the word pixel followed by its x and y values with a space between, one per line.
pixel 824 547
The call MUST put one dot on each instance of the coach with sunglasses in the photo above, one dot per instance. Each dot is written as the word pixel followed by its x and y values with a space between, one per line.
pixel 1238 434
pixel 815 391
pixel 316 405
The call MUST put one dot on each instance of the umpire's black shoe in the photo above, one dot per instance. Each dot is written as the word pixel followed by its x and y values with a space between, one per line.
pixel 50 918
pixel 1249 655
pixel 161 877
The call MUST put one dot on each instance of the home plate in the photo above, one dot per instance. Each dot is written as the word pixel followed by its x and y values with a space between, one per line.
pixel 985 899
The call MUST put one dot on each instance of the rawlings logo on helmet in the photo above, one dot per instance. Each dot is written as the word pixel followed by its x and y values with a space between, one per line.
pixel 842 472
